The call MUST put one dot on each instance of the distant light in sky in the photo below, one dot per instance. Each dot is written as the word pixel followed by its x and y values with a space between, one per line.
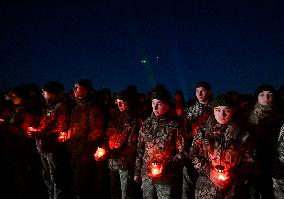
pixel 144 61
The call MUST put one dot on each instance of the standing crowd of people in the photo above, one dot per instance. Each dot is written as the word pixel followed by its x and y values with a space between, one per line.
pixel 89 143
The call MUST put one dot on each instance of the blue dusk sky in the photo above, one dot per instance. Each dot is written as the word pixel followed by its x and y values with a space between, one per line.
pixel 232 44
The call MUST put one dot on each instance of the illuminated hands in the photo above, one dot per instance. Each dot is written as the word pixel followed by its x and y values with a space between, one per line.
pixel 31 130
pixel 155 170
pixel 62 137
pixel 219 176
pixel 100 154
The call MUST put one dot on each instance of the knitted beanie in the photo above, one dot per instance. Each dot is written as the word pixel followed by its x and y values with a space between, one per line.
pixel 264 87
pixel 161 93
pixel 86 84
pixel 222 100
pixel 53 87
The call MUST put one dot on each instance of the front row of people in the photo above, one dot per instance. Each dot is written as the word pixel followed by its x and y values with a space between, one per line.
pixel 227 153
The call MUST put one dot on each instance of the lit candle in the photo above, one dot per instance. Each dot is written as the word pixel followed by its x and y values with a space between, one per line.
pixel 62 137
pixel 156 170
pixel 99 153
pixel 30 131
pixel 221 177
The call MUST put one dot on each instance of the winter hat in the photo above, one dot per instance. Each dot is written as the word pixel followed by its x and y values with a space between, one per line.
pixel 222 100
pixel 161 93
pixel 54 87
pixel 264 87
pixel 19 91
pixel 85 83
pixel 123 95
pixel 203 84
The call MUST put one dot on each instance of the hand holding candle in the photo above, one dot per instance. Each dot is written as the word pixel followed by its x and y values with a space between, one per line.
pixel 100 153
pixel 62 137
pixel 155 170
pixel 219 176
pixel 31 130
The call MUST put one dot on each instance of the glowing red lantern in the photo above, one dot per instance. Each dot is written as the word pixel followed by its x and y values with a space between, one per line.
pixel 62 137
pixel 155 170
pixel 219 176
pixel 99 153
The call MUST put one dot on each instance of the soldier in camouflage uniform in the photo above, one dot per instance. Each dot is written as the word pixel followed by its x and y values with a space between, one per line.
pixel 264 122
pixel 278 171
pixel 216 150
pixel 54 119
pixel 121 142
pixel 195 117
pixel 160 148
pixel 86 131
pixel 22 161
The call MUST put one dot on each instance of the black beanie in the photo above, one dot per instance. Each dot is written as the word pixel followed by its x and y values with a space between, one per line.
pixel 85 83
pixel 20 91
pixel 161 93
pixel 222 100
pixel 54 87
pixel 203 84
pixel 264 87
pixel 123 95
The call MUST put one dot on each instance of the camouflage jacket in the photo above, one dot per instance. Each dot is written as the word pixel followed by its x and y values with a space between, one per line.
pixel 54 119
pixel 17 122
pixel 19 119
pixel 196 116
pixel 278 167
pixel 264 123
pixel 160 141
pixel 279 160
pixel 122 135
pixel 87 126
pixel 216 144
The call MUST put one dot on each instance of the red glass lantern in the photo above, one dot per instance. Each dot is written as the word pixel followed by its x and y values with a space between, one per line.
pixel 155 170
pixel 99 153
pixel 219 176
pixel 62 137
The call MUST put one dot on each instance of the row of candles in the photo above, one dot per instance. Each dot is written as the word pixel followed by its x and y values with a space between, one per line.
pixel 218 173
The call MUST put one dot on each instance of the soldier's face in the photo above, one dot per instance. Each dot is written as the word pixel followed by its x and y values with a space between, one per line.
pixel 79 91
pixel 265 98
pixel 202 94
pixel 159 107
pixel 47 96
pixel 223 114
pixel 122 105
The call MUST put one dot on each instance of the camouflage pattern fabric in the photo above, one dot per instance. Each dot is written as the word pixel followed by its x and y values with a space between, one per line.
pixel 213 145
pixel 160 141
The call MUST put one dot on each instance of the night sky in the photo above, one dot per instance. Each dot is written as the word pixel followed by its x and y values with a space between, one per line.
pixel 232 44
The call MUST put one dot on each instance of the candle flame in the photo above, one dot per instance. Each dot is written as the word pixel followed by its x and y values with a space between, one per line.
pixel 100 153
pixel 221 177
